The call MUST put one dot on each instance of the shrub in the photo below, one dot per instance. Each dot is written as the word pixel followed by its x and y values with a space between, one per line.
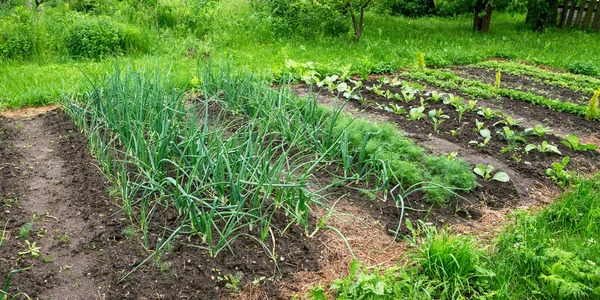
pixel 307 19
pixel 17 40
pixel 448 8
pixel 409 8
pixel 95 38
pixel 583 67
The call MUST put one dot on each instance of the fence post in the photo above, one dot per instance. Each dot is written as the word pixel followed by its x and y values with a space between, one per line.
pixel 588 13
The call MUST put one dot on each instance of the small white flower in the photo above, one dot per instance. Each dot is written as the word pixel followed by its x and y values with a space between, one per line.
pixel 591 241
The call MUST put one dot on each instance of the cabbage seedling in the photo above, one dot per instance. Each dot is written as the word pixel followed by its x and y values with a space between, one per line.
pixel 416 113
pixel 572 142
pixel 544 148
pixel 486 173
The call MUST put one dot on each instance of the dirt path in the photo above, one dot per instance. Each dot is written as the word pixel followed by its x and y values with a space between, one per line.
pixel 61 194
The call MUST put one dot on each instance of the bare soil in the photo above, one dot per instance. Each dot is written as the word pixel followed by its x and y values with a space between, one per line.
pixel 84 251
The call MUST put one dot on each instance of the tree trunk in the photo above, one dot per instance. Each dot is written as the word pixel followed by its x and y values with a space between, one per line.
pixel 483 15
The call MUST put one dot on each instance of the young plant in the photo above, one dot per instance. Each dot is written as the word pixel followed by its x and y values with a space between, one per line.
pixel 538 130
pixel 559 175
pixel 591 111
pixel 572 142
pixel 409 94
pixel 397 109
pixel 479 125
pixel 508 121
pixel 497 82
pixel 376 89
pixel 486 173
pixel 488 113
pixel 472 104
pixel 485 133
pixel 438 117
pixel 420 58
pixel 395 82
pixel 543 148
pixel 416 113
pixel 435 96
pixel 461 108
pixel 511 136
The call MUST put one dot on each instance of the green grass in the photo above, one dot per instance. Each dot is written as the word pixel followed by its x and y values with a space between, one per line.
pixel 389 43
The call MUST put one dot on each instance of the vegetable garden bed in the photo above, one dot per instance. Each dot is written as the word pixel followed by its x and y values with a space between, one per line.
pixel 243 190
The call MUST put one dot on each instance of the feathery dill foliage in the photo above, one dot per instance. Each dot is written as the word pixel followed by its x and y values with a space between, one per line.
pixel 162 154
pixel 363 148
pixel 498 78
pixel 420 57
pixel 591 112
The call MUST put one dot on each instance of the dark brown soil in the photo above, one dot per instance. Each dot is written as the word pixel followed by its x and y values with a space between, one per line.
pixel 525 83
pixel 526 170
pixel 84 251
pixel 530 115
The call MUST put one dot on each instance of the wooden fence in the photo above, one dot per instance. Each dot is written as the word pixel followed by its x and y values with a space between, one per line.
pixel 585 15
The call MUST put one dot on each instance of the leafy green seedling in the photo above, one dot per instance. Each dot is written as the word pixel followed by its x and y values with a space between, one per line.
pixel 488 113
pixel 508 121
pixel 438 117
pixel 409 94
pixel 538 130
pixel 435 96
pixel 416 113
pixel 486 134
pixel 397 109
pixel 395 82
pixel 472 104
pixel 461 108
pixel 511 136
pixel 486 173
pixel 544 148
pixel 479 125
pixel 558 173
pixel 572 142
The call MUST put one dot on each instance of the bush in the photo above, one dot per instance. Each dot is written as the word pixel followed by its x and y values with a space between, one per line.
pixel 17 40
pixel 583 67
pixel 95 38
pixel 409 8
pixel 449 8
pixel 307 19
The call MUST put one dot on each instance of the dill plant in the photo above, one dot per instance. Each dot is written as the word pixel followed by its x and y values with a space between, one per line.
pixel 591 111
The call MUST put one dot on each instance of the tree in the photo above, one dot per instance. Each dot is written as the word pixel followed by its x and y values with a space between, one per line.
pixel 483 15
pixel 356 10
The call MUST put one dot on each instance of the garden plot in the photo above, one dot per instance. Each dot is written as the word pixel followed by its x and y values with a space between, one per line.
pixel 251 190
pixel 537 156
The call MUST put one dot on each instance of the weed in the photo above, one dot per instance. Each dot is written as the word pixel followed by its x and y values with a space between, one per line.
pixel 561 176
pixel 31 249
pixel 24 230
